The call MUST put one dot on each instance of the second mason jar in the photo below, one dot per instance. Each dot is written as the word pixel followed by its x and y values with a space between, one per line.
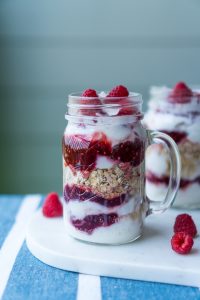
pixel 175 111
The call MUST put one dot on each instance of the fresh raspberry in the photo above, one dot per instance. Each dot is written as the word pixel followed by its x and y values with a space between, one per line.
pixel 52 206
pixel 181 90
pixel 119 91
pixel 82 193
pixel 89 93
pixel 184 223
pixel 124 111
pixel 182 243
pixel 181 93
pixel 92 111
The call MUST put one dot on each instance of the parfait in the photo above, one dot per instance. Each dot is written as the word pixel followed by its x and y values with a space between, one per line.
pixel 175 112
pixel 103 166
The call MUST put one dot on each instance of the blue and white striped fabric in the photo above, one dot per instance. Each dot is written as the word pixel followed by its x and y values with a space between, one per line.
pixel 22 276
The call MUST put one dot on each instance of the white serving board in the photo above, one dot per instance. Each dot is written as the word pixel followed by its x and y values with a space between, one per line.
pixel 149 258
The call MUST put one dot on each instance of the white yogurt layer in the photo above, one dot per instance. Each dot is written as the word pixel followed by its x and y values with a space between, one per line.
pixel 103 162
pixel 116 133
pixel 80 209
pixel 187 197
pixel 194 131
pixel 169 122
pixel 124 231
pixel 156 162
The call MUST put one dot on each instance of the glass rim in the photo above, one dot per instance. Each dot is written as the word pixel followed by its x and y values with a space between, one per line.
pixel 105 106
pixel 131 96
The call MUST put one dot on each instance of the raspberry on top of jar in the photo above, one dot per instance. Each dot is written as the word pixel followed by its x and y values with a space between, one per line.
pixel 118 102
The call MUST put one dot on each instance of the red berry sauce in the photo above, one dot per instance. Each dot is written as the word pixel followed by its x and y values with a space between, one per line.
pixel 74 193
pixel 128 151
pixel 78 153
pixel 91 222
pixel 81 154
pixel 184 183
pixel 177 136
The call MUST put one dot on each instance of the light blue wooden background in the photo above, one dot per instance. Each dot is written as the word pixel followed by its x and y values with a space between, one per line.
pixel 50 48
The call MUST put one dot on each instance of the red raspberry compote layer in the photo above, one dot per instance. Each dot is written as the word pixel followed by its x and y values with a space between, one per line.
pixel 176 112
pixel 103 172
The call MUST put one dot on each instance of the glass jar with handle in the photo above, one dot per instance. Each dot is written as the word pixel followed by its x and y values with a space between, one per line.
pixel 104 146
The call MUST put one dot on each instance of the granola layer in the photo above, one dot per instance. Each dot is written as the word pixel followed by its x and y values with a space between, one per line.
pixel 190 159
pixel 108 183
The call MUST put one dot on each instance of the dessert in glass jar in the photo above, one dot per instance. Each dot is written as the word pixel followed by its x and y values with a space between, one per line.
pixel 176 112
pixel 104 147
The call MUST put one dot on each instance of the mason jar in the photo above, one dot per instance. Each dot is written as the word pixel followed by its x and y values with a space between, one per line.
pixel 104 146
pixel 175 112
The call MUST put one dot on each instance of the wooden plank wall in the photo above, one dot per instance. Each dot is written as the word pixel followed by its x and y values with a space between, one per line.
pixel 50 48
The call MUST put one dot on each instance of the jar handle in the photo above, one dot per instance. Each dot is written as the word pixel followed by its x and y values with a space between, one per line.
pixel 175 171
